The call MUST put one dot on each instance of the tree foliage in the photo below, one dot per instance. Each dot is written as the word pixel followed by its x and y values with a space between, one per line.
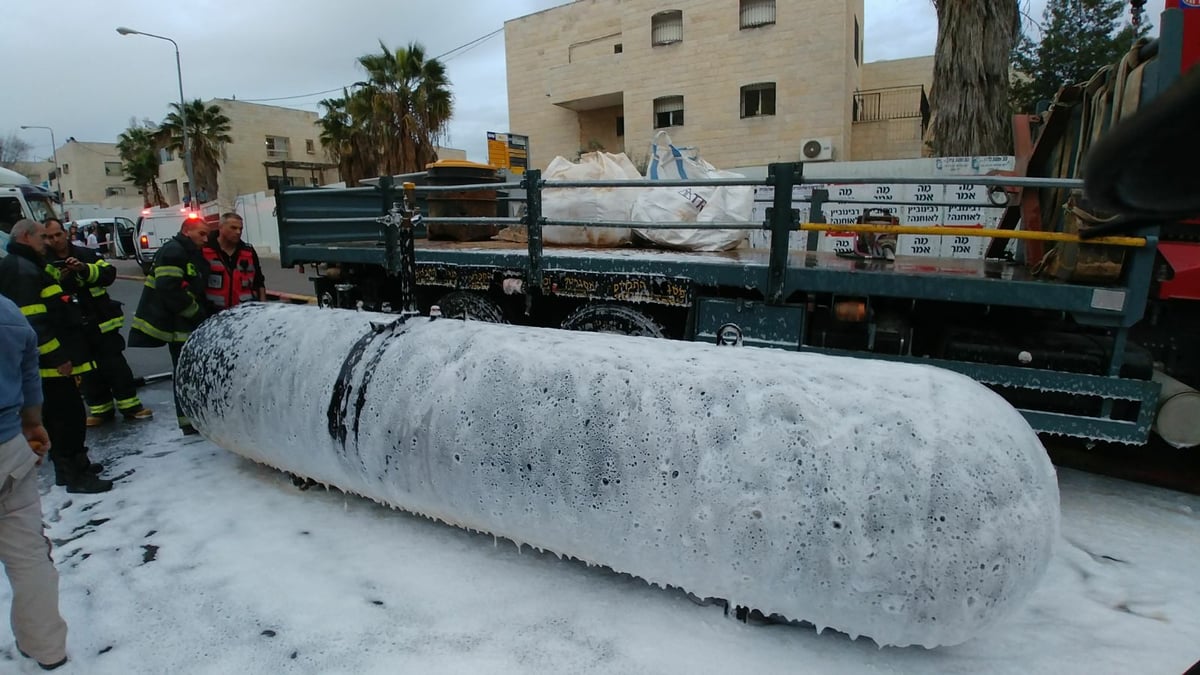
pixel 391 122
pixel 1078 37
pixel 138 148
pixel 208 134
pixel 969 96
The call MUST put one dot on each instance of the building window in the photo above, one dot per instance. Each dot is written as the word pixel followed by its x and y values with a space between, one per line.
pixel 112 168
pixel 112 191
pixel 70 194
pixel 668 112
pixel 620 126
pixel 66 169
pixel 310 147
pixel 758 100
pixel 618 48
pixel 666 27
pixel 857 55
pixel 755 13
pixel 277 147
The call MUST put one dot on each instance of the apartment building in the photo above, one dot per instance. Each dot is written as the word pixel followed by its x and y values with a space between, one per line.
pixel 271 145
pixel 749 82
pixel 91 174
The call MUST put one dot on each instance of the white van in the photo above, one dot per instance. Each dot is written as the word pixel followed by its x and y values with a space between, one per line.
pixel 21 199
pixel 155 227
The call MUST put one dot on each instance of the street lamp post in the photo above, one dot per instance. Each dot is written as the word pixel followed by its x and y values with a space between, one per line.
pixel 187 148
pixel 54 149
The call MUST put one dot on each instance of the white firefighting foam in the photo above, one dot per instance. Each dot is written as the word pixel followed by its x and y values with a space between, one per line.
pixel 905 503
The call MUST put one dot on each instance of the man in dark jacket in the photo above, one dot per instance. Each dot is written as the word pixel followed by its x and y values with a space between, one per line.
pixel 173 302
pixel 81 272
pixel 236 272
pixel 55 316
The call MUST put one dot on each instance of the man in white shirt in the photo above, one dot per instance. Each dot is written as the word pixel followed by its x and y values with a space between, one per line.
pixel 92 242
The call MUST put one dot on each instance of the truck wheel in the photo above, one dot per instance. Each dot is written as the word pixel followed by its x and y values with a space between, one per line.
pixel 470 306
pixel 611 318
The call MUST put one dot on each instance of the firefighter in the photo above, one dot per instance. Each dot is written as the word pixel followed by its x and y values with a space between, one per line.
pixel 110 387
pixel 58 321
pixel 236 275
pixel 173 302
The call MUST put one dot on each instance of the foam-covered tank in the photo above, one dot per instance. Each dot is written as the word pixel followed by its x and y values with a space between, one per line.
pixel 901 502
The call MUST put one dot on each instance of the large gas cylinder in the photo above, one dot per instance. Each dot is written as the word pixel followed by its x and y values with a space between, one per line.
pixel 902 502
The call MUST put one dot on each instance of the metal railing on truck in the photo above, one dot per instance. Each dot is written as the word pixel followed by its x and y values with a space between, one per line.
pixel 366 225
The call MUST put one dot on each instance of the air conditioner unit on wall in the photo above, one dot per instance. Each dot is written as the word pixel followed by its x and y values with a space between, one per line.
pixel 816 150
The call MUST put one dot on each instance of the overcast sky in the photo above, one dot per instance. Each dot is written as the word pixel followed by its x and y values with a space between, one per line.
pixel 66 67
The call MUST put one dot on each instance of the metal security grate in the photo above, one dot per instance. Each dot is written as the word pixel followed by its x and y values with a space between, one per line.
pixel 893 103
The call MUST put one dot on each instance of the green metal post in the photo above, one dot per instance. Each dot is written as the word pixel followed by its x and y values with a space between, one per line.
pixel 391 240
pixel 783 220
pixel 533 227
pixel 816 214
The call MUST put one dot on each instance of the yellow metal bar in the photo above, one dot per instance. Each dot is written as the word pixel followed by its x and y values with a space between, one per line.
pixel 946 231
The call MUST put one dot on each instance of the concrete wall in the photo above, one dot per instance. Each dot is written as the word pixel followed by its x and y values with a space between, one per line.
pixel 261 229
pixel 36 172
pixel 563 60
pixel 898 73
pixel 887 139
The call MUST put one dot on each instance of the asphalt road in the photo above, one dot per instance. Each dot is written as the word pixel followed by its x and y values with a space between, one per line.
pixel 146 362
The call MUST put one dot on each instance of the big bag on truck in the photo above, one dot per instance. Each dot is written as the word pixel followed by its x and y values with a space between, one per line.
pixel 726 203
pixel 591 203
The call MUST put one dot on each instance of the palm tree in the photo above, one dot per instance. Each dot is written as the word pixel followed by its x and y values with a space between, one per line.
pixel 969 97
pixel 409 104
pixel 137 147
pixel 208 134
pixel 393 121
pixel 345 141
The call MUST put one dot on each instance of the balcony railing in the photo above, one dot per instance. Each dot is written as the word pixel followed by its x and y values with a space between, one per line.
pixel 892 103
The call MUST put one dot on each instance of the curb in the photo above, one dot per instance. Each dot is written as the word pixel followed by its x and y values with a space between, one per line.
pixel 279 296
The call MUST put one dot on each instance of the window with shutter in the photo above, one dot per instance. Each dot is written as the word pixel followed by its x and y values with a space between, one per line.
pixel 755 13
pixel 666 27
pixel 668 112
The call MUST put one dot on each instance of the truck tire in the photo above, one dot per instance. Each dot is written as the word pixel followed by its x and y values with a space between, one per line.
pixel 470 306
pixel 607 317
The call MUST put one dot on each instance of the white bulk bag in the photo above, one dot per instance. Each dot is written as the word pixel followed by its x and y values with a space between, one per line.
pixel 690 204
pixel 594 204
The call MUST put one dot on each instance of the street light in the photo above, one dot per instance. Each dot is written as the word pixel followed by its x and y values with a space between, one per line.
pixel 187 148
pixel 54 148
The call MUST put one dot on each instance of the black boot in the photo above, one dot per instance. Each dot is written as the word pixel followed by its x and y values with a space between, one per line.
pixel 88 465
pixel 65 470
pixel 88 484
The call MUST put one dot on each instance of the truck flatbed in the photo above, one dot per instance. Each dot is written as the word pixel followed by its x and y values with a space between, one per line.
pixel 975 280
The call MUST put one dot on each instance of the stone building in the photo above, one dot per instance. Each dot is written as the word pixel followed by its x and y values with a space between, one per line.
pixel 747 81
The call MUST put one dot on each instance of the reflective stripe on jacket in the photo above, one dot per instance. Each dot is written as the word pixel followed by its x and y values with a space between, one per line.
pixel 173 301
pixel 53 313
